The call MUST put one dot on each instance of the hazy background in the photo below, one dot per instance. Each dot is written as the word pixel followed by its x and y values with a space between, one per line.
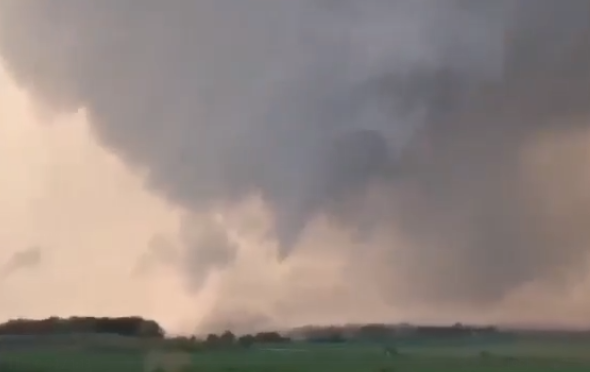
pixel 263 163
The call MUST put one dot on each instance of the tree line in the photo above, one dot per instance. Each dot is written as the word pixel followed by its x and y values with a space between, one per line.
pixel 122 326
pixel 131 327
pixel 387 332
pixel 147 328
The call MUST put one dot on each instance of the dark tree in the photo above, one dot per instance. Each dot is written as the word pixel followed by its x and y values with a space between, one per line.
pixel 246 341
pixel 270 338
pixel 212 340
pixel 227 338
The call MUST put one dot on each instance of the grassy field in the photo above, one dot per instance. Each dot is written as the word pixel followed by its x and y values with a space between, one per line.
pixel 513 356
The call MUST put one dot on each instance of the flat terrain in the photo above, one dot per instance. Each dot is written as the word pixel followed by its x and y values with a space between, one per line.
pixel 121 356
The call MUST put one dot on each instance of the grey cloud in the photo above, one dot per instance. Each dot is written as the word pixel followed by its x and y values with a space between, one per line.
pixel 21 260
pixel 161 251
pixel 207 247
pixel 427 106
pixel 202 245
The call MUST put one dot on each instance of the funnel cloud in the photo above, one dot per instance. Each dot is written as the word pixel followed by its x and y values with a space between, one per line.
pixel 442 138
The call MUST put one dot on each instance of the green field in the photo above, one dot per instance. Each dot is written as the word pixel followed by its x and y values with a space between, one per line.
pixel 515 355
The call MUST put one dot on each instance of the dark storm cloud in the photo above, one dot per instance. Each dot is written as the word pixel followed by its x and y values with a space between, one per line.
pixel 310 104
